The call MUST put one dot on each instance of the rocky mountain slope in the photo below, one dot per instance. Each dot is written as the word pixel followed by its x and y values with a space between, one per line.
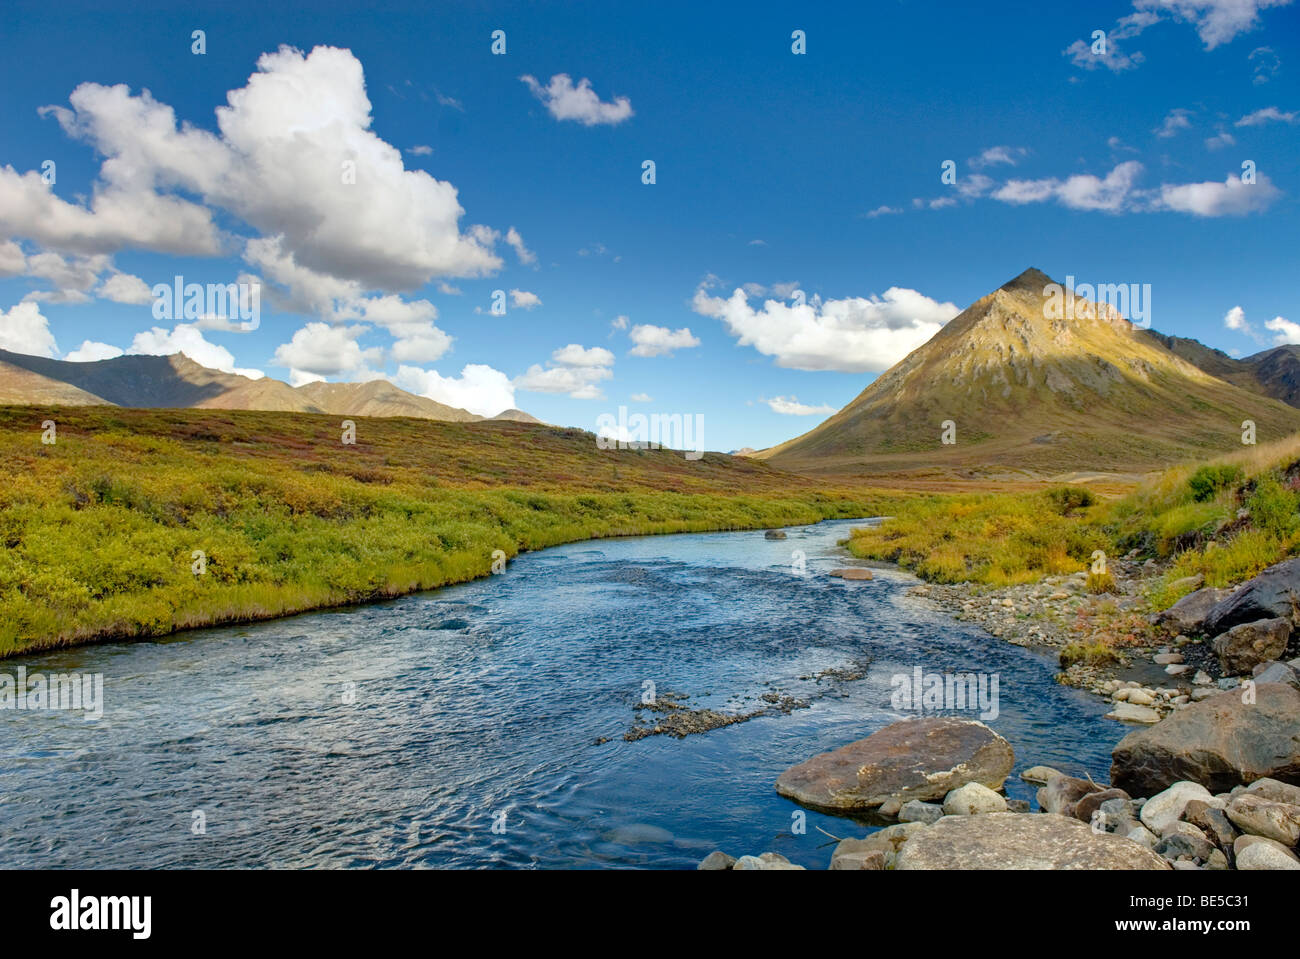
pixel 1022 391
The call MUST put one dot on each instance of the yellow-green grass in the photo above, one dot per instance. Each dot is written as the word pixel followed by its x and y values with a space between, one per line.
pixel 998 538
pixel 1224 520
pixel 100 528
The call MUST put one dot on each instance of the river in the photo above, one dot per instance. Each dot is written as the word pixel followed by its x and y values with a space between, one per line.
pixel 461 727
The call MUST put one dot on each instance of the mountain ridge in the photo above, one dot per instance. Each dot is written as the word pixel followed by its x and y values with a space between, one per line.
pixel 176 381
pixel 1273 372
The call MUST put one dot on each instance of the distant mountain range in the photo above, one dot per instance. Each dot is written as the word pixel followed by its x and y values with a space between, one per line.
pixel 1274 372
pixel 1027 393
pixel 177 382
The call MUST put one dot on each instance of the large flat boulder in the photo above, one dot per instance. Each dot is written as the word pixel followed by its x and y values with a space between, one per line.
pixel 921 759
pixel 1219 742
pixel 1008 840
pixel 1273 593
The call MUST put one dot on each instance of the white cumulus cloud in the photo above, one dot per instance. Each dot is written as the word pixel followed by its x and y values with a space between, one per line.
pixel 852 335
pixel 125 288
pixel 659 340
pixel 1232 197
pixel 1118 192
pixel 516 243
pixel 1178 119
pixel 1217 21
pixel 479 388
pixel 524 300
pixel 573 370
pixel 320 350
pixel 294 156
pixel 1285 331
pixel 24 329
pixel 89 351
pixel 568 102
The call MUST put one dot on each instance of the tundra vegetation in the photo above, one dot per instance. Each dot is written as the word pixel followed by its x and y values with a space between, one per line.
pixel 1218 522
pixel 101 528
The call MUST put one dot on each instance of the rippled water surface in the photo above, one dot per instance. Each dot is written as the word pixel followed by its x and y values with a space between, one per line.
pixel 397 735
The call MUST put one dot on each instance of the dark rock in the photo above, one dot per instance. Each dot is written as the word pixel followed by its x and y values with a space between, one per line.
pixel 1088 806
pixel 1220 742
pixel 1277 672
pixel 1060 794
pixel 1213 822
pixel 774 534
pixel 1245 646
pixel 921 759
pixel 1188 614
pixel 1272 594
pixel 1183 846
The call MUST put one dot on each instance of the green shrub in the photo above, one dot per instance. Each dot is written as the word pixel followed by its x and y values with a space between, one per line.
pixel 1068 498
pixel 1272 506
pixel 1207 481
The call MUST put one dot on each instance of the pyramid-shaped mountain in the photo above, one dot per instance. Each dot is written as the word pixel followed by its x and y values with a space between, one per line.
pixel 1030 388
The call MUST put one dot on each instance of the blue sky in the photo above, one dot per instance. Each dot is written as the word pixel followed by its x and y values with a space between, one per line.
pixel 775 172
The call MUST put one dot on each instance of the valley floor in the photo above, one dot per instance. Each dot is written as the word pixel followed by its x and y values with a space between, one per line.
pixel 133 523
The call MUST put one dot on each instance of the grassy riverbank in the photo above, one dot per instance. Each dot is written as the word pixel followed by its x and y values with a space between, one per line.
pixel 1224 520
pixel 100 528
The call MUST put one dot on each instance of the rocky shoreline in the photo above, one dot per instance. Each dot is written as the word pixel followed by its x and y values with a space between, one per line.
pixel 1208 778
pixel 940 780
pixel 1148 664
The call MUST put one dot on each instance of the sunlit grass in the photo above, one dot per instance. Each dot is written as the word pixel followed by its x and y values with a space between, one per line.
pixel 1224 524
pixel 100 528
